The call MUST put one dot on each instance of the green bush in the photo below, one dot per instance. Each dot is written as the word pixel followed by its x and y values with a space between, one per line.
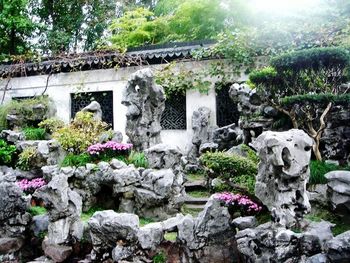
pixel 7 153
pixel 76 160
pixel 315 59
pixel 251 155
pixel 265 76
pixel 138 159
pixel 27 158
pixel 226 166
pixel 32 133
pixel 160 257
pixel 319 168
pixel 37 210
pixel 51 125
pixel 81 133
pixel 324 98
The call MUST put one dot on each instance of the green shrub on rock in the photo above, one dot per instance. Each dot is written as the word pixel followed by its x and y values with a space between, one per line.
pixel 32 133
pixel 138 159
pixel 6 153
pixel 226 166
pixel 82 132
pixel 51 125
pixel 27 158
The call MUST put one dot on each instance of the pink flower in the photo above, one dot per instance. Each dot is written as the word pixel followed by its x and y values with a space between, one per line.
pixel 99 148
pixel 31 185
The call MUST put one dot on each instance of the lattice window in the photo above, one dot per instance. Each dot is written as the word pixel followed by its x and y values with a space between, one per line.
pixel 105 98
pixel 174 115
pixel 226 110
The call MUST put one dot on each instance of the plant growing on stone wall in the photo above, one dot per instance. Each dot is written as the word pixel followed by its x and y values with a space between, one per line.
pixel 51 125
pixel 82 132
pixel 32 133
pixel 305 85
pixel 138 159
pixel 76 160
pixel 7 153
pixel 27 158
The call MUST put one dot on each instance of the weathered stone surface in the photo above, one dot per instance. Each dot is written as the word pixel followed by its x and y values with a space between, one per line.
pixel 108 227
pixel 13 216
pixel 119 253
pixel 150 236
pixel 245 222
pixel 227 137
pixel 64 209
pixel 164 156
pixel 11 136
pixel 338 248
pixel 318 194
pixel 145 102
pixel 58 253
pixel 95 108
pixel 339 190
pixel 40 224
pixel 8 244
pixel 318 258
pixel 283 174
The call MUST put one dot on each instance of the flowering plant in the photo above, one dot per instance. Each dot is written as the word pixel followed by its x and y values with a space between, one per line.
pixel 238 202
pixel 108 150
pixel 29 186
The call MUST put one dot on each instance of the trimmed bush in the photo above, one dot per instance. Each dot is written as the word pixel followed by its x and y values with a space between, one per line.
pixel 226 166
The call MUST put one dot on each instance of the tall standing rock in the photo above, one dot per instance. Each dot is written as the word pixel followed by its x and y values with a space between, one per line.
pixel 283 174
pixel 145 101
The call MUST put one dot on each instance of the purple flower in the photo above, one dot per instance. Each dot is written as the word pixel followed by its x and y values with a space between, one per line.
pixel 29 186
pixel 99 148
pixel 238 201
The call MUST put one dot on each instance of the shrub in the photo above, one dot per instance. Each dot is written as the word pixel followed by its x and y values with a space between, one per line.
pixel 76 160
pixel 238 203
pixel 319 168
pixel 32 133
pixel 83 131
pixel 51 125
pixel 7 153
pixel 29 186
pixel 138 159
pixel 160 257
pixel 251 155
pixel 27 158
pixel 226 166
pixel 37 210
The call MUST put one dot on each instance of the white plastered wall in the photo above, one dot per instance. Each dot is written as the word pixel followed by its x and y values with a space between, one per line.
pixel 62 85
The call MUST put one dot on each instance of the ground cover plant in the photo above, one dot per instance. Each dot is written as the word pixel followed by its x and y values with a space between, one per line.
pixel 32 133
pixel 7 153
pixel 318 169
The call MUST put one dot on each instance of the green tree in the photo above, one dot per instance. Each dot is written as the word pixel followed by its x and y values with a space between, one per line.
pixel 16 26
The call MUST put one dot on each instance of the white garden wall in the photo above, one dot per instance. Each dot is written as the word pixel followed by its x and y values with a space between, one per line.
pixel 62 85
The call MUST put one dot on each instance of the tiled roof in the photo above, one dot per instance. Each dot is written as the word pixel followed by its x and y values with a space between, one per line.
pixel 155 54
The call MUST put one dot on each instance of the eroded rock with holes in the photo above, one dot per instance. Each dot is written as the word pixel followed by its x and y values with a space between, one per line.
pixel 283 174
pixel 148 192
pixel 228 136
pixel 145 102
pixel 14 220
pixel 64 208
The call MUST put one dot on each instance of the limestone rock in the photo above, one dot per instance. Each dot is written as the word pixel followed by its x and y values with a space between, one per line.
pixel 339 190
pixel 11 136
pixel 245 222
pixel 145 102
pixel 108 227
pixel 95 108
pixel 283 174
pixel 163 156
pixel 40 224
pixel 150 236
pixel 338 248
pixel 58 253
pixel 227 137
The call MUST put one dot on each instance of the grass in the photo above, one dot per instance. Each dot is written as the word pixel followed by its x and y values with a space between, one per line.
pixel 199 193
pixel 37 210
pixel 170 236
pixel 191 211
pixel 318 169
pixel 340 225
pixel 85 216
pixel 32 133
pixel 195 177
pixel 145 221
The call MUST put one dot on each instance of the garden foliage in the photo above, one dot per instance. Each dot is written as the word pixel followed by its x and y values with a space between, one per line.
pixel 51 125
pixel 7 153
